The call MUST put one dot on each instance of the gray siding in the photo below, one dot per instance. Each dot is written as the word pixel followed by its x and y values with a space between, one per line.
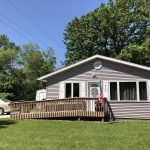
pixel 132 110
pixel 53 91
pixel 109 71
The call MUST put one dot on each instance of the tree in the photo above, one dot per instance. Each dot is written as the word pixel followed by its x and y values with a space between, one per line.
pixel 8 57
pixel 137 54
pixel 33 64
pixel 107 29
pixel 6 44
pixel 20 68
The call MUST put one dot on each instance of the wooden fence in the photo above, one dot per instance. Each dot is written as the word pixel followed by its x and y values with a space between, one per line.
pixel 61 108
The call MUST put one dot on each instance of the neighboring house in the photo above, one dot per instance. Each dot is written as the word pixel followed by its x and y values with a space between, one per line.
pixel 126 85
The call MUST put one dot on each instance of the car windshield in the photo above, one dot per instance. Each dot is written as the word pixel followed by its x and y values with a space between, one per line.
pixel 5 100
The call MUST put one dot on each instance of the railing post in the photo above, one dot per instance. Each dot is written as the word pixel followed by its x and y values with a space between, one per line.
pixel 105 106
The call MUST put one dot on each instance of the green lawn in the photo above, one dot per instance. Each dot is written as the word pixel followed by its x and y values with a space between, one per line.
pixel 65 135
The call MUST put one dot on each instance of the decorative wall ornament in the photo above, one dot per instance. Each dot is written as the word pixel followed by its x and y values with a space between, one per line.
pixel 97 65
pixel 94 90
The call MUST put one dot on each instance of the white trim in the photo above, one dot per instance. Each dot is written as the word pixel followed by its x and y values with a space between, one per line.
pixel 137 91
pixel 106 88
pixel 91 58
pixel 109 90
pixel 82 88
pixel 148 90
pixel 129 80
pixel 61 90
pixel 72 89
pixel 71 82
pixel 87 89
pixel 118 91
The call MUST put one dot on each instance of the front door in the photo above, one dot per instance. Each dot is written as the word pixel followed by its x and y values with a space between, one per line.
pixel 93 91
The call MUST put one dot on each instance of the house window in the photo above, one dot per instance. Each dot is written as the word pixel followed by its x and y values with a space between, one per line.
pixel 75 89
pixel 72 90
pixel 68 90
pixel 142 90
pixel 128 91
pixel 113 91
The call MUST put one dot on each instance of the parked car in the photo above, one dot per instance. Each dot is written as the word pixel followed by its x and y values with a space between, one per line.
pixel 4 106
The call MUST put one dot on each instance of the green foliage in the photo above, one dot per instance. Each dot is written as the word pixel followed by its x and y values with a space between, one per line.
pixel 7 83
pixel 107 29
pixel 139 54
pixel 6 44
pixel 20 68
pixel 5 95
pixel 33 64
pixel 8 57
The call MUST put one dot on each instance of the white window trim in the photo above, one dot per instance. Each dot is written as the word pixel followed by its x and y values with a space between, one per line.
pixel 137 91
pixel 71 87
pixel 148 90
pixel 118 92
pixel 137 88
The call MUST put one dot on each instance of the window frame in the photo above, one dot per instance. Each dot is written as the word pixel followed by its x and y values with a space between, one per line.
pixel 146 91
pixel 110 91
pixel 137 92
pixel 71 82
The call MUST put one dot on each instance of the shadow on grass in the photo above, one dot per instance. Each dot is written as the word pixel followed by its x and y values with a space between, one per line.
pixel 6 123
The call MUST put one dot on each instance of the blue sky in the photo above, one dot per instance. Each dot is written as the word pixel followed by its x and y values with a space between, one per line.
pixel 42 21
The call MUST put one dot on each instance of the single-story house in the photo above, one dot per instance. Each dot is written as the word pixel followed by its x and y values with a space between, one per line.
pixel 126 85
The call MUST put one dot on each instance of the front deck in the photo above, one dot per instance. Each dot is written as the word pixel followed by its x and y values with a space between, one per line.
pixel 61 108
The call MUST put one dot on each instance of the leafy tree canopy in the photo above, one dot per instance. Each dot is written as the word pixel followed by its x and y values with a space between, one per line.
pixel 20 67
pixel 33 63
pixel 8 57
pixel 107 29
pixel 6 44
pixel 139 54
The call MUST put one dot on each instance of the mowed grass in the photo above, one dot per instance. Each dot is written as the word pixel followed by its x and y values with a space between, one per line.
pixel 73 135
